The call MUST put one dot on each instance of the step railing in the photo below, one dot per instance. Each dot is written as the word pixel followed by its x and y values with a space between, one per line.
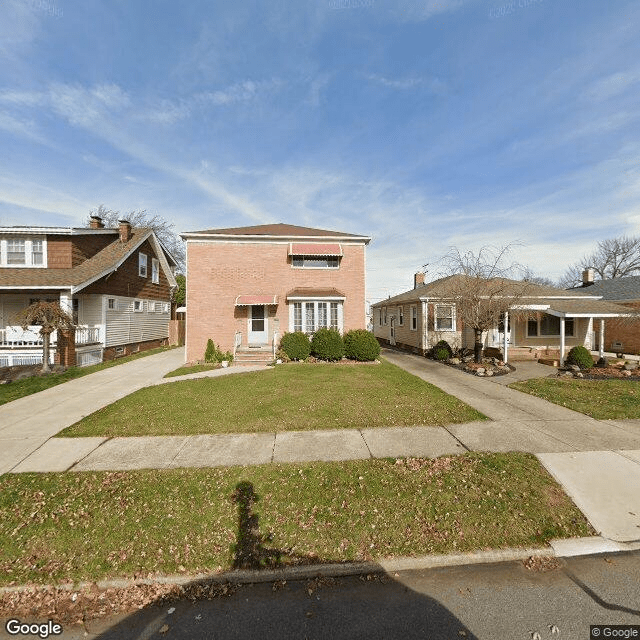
pixel 237 342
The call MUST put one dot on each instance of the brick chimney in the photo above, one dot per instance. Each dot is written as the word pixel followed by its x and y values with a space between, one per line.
pixel 588 277
pixel 96 223
pixel 418 280
pixel 125 230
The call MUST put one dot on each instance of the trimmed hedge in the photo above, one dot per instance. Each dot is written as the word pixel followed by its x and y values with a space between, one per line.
pixel 580 357
pixel 296 345
pixel 361 345
pixel 327 344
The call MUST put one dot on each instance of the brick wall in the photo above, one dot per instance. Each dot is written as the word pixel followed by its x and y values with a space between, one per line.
pixel 219 272
pixel 624 330
pixel 126 281
pixel 111 353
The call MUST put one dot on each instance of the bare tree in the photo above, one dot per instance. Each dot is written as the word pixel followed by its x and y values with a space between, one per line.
pixel 612 258
pixel 49 316
pixel 530 276
pixel 164 230
pixel 479 285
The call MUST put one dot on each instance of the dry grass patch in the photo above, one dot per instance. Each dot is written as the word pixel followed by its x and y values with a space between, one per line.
pixel 88 526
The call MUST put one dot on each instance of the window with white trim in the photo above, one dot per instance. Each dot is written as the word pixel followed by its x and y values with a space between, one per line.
pixel 155 271
pixel 138 306
pixel 414 317
pixel 23 251
pixel 142 265
pixel 315 262
pixel 311 315
pixel 111 303
pixel 385 315
pixel 401 316
pixel 445 318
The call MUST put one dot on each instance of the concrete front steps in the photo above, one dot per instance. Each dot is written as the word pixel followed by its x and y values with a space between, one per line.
pixel 254 355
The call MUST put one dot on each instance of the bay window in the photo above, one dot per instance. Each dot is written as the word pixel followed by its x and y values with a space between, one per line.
pixel 311 315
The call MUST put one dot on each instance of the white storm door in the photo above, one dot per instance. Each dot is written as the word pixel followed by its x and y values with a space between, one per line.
pixel 257 324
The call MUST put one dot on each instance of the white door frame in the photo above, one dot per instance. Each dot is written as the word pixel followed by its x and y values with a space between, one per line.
pixel 258 336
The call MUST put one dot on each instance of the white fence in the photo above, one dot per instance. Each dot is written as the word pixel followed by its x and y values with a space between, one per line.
pixel 30 337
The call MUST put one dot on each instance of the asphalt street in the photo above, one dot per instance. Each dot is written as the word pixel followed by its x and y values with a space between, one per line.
pixel 503 601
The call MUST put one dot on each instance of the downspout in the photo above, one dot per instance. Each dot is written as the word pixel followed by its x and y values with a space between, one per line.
pixel 561 340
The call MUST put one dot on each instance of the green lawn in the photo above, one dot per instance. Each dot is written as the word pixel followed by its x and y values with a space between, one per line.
pixel 27 386
pixel 601 399
pixel 86 526
pixel 287 398
pixel 194 368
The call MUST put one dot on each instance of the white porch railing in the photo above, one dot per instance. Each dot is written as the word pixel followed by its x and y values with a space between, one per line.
pixel 18 337
pixel 275 343
pixel 237 342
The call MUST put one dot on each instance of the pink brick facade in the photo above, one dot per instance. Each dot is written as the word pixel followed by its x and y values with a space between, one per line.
pixel 218 271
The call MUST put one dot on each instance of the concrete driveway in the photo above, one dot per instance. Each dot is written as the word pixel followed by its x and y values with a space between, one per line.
pixel 597 462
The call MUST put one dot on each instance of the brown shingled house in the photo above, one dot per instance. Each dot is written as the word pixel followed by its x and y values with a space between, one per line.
pixel 246 286
pixel 117 284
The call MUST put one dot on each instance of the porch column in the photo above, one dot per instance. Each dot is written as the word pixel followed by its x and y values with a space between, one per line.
pixel 423 331
pixel 561 340
pixel 601 346
pixel 66 302
pixel 505 336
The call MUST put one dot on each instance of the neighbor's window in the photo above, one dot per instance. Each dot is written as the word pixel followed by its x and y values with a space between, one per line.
pixel 414 317
pixel 444 318
pixel 111 303
pixel 37 252
pixel 315 262
pixel 16 251
pixel 155 271
pixel 401 316
pixel 548 325
pixel 142 265
pixel 19 251
pixel 137 305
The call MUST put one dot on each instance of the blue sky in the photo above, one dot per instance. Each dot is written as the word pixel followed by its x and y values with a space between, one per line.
pixel 424 124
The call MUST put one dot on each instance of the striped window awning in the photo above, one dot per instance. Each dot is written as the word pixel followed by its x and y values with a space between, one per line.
pixel 248 300
pixel 314 249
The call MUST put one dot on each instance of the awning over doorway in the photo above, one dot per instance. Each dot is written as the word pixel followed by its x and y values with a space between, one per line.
pixel 248 300
pixel 314 249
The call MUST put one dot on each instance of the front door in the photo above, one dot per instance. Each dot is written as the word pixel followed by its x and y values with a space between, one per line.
pixel 257 324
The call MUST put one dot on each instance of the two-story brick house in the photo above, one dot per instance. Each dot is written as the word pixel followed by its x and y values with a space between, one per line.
pixel 116 283
pixel 247 286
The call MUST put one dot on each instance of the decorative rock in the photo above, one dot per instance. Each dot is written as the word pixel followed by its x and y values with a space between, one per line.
pixel 626 373
pixel 630 366
pixel 574 367
pixel 578 375
pixel 480 370
pixel 455 361
pixel 489 373
pixel 480 373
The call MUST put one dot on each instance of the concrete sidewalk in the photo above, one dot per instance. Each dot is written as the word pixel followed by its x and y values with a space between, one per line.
pixel 26 424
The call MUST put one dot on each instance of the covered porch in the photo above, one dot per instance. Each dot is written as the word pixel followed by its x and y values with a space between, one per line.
pixel 551 329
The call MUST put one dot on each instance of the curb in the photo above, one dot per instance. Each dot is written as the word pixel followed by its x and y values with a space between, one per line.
pixel 560 548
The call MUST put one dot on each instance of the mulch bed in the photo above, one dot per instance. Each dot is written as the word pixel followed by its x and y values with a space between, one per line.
pixel 610 373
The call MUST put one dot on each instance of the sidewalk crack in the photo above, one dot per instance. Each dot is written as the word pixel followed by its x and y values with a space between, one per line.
pixel 366 444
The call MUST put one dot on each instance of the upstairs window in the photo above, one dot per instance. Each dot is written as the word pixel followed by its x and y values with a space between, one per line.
pixel 315 262
pixel 401 316
pixel 155 271
pixel 23 252
pixel 142 265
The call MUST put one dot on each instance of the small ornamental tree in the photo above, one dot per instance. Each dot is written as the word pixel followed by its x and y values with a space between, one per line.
pixel 50 317
pixel 327 344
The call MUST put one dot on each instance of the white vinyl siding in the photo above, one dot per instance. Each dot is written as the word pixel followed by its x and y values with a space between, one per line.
pixel 124 325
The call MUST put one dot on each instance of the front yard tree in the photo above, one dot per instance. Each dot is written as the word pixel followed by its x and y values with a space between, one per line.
pixel 49 316
pixel 612 258
pixel 479 286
